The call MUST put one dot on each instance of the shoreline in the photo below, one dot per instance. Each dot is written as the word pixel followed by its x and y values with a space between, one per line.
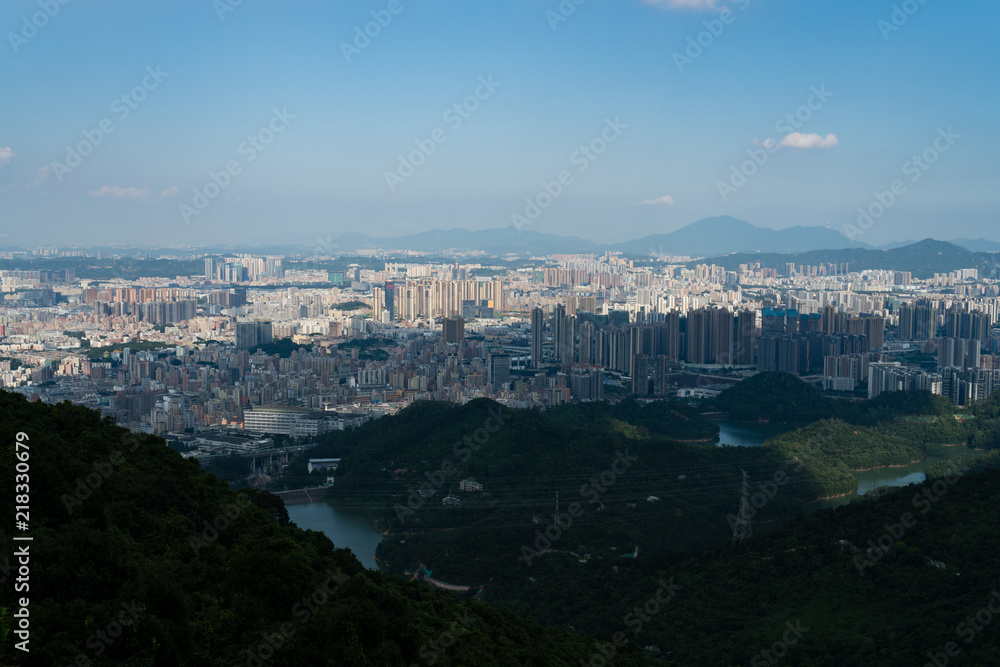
pixel 839 495
pixel 898 465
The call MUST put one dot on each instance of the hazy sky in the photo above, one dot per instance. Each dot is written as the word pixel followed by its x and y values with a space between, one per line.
pixel 114 113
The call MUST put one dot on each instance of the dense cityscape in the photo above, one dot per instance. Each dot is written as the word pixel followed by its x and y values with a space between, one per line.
pixel 189 353
pixel 526 334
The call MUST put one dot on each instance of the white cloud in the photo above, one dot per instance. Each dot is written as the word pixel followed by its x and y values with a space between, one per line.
pixel 666 199
pixel 6 154
pixel 43 175
pixel 800 140
pixel 116 192
pixel 684 4
pixel 169 192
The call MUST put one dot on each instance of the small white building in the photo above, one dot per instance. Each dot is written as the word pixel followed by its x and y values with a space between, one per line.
pixel 322 464
pixel 469 484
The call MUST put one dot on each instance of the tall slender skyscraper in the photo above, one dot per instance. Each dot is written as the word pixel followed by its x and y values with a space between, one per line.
pixel 537 336
pixel 586 355
pixel 558 327
pixel 389 299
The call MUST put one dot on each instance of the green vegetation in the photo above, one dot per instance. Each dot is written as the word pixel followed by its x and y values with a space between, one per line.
pixel 105 269
pixel 784 398
pixel 974 462
pixel 830 450
pixel 350 305
pixel 650 516
pixel 925 361
pixel 14 363
pixel 365 343
pixel 141 536
pixel 283 347
pixel 777 397
pixel 732 603
pixel 522 466
pixel 135 346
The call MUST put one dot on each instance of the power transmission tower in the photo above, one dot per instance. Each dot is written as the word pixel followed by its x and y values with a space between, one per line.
pixel 742 528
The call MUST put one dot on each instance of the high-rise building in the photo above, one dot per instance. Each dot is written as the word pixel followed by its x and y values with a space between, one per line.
pixel 916 322
pixel 252 334
pixel 537 336
pixel 389 299
pixel 746 333
pixel 650 375
pixel 453 329
pixel 558 331
pixel 586 347
pixel 669 331
pixel 209 268
pixel 499 369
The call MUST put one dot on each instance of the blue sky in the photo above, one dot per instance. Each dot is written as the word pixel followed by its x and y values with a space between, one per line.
pixel 330 122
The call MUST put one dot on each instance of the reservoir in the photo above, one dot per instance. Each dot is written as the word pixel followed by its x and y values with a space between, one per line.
pixel 346 528
pixel 751 434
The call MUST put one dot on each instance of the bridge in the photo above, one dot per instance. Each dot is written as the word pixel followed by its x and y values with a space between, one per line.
pixel 263 457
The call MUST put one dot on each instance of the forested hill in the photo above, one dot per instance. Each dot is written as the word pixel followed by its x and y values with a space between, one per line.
pixel 126 568
pixel 923 259
pixel 784 398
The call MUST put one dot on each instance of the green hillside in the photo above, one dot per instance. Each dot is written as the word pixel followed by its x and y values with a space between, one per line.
pixel 140 558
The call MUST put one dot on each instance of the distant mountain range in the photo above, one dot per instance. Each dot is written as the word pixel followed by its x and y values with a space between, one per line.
pixel 710 237
pixel 923 259
pixel 723 235
pixel 975 245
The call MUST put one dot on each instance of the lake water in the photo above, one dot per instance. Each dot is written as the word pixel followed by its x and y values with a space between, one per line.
pixel 346 528
pixel 910 474
pixel 748 434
